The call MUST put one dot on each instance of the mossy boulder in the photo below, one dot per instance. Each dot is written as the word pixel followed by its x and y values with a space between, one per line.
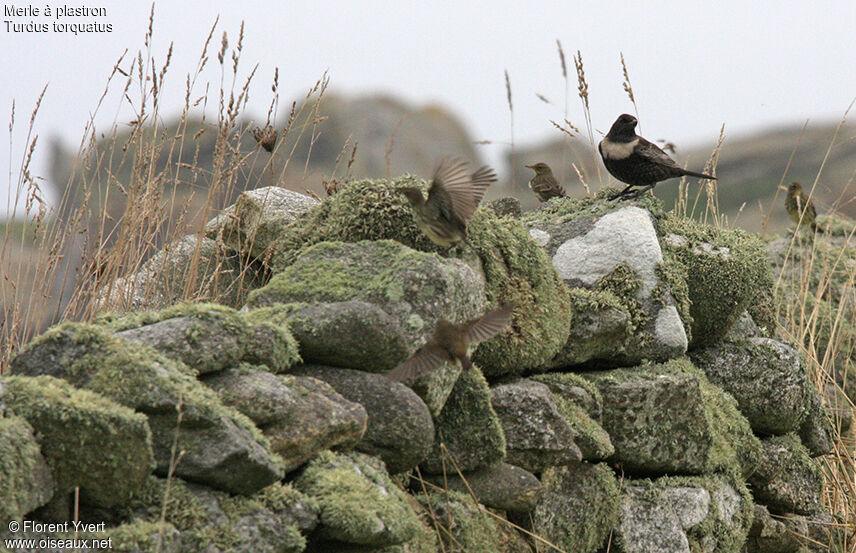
pixel 274 519
pixel 788 480
pixel 536 434
pixel 299 415
pixel 222 447
pixel 87 440
pixel 26 477
pixel 357 500
pixel 765 376
pixel 465 527
pixel 795 533
pixel 726 273
pixel 630 302
pixel 205 337
pixel 515 268
pixel 665 419
pixel 579 506
pixel 415 289
pixel 683 514
pixel 271 342
pixel 467 429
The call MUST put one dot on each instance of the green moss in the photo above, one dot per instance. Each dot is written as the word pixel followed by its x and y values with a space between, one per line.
pixel 580 506
pixel 139 536
pixel 590 437
pixel 271 343
pixel 357 500
pixel 727 271
pixel 672 281
pixel 562 210
pixel 465 527
pixel 328 278
pixel 624 283
pixel 468 428
pixel 361 210
pixel 27 482
pixel 518 271
pixel 88 440
pixel 197 512
pixel 227 316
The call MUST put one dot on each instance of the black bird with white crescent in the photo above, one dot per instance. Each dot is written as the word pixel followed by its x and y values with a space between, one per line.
pixel 637 162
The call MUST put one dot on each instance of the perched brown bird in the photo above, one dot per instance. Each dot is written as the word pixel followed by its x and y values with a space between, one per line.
pixel 450 342
pixel 635 161
pixel 453 197
pixel 265 137
pixel 800 208
pixel 544 184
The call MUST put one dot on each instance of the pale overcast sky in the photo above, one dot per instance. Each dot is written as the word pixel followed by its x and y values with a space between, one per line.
pixel 693 65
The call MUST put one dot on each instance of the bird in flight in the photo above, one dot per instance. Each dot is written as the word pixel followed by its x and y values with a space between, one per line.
pixel 451 342
pixel 637 162
pixel 452 200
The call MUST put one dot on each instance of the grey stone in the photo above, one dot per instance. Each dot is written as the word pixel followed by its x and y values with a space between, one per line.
pixel 537 435
pixel 585 249
pixel 501 486
pixel 299 415
pixel 817 432
pixel 256 220
pixel 204 341
pixel 765 376
pixel 788 480
pixel 399 430
pixel 350 334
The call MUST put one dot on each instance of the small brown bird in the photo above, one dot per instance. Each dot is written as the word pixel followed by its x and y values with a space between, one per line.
pixel 544 184
pixel 450 342
pixel 800 208
pixel 635 161
pixel 453 197
pixel 266 137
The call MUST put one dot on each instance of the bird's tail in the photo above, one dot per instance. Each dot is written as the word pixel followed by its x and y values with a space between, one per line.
pixel 699 175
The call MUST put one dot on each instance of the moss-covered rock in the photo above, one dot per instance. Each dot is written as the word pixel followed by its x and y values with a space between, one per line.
pixel 205 337
pixel 727 271
pixel 357 500
pixel 664 419
pixel 140 536
pixel 399 429
pixel 88 440
pixel 300 415
pixel 271 342
pixel 27 480
pixel 537 436
pixel 683 514
pixel 222 447
pixel 272 520
pixel 787 480
pixel 467 428
pixel 579 506
pixel 765 376
pixel 415 289
pixel 632 297
pixel 465 527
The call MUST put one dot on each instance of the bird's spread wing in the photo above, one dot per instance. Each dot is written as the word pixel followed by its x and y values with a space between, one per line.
pixel 428 358
pixel 653 153
pixel 480 180
pixel 453 189
pixel 489 325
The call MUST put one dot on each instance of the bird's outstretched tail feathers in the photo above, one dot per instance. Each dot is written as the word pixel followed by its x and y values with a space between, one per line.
pixel 699 175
